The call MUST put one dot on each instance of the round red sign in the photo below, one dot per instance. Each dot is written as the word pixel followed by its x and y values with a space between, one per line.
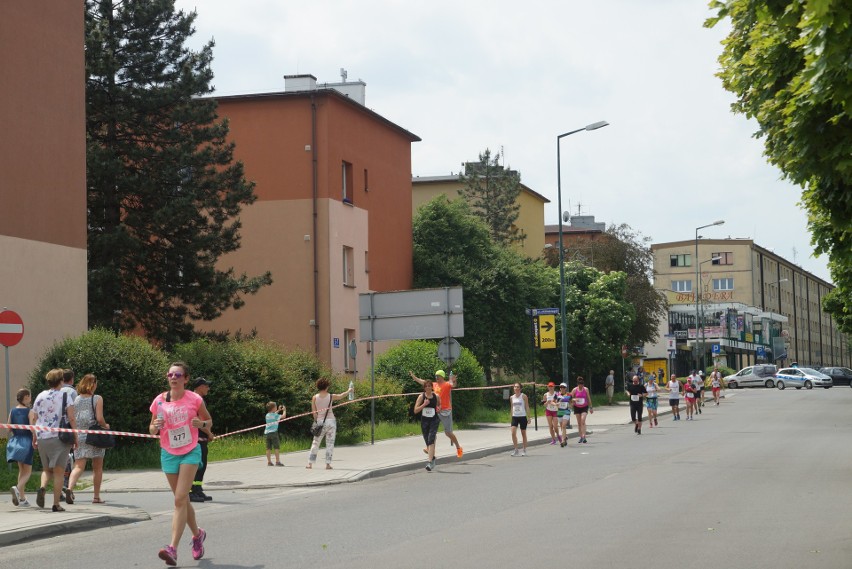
pixel 11 328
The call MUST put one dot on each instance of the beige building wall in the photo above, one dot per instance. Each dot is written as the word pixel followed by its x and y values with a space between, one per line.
pixel 42 178
pixel 530 217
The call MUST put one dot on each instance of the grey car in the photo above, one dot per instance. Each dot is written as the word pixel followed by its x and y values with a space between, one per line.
pixel 800 377
pixel 839 375
pixel 761 375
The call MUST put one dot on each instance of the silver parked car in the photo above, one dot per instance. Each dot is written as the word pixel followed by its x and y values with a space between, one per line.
pixel 800 377
pixel 761 375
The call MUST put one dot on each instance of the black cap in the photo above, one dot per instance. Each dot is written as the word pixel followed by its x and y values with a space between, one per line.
pixel 199 381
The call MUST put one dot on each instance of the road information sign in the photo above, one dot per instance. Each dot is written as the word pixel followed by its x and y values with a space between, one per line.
pixel 544 327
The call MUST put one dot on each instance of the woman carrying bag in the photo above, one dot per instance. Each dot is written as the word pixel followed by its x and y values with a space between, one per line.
pixel 321 408
pixel 89 409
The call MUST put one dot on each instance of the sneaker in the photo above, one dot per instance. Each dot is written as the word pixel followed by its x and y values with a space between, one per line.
pixel 279 464
pixel 16 496
pixel 563 443
pixel 656 422
pixel 428 467
pixel 169 555
pixel 269 464
pixel 69 496
pixel 40 497
pixel 639 432
pixel 459 452
pixel 196 497
pixel 198 545
pixel 552 441
pixel 24 504
pixel 207 498
pixel 585 441
pixel 515 453
pixel 523 453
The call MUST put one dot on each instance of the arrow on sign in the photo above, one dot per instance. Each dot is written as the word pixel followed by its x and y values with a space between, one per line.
pixel 546 326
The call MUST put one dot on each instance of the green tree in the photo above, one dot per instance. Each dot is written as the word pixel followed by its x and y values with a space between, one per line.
pixel 163 190
pixel 452 247
pixel 599 318
pixel 787 62
pixel 492 192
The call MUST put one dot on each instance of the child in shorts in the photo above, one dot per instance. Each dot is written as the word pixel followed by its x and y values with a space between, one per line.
pixel 274 413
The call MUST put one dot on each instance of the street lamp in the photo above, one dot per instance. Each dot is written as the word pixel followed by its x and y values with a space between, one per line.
pixel 697 292
pixel 700 289
pixel 593 126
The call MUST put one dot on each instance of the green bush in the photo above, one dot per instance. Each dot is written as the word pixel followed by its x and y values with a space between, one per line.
pixel 245 375
pixel 421 357
pixel 130 372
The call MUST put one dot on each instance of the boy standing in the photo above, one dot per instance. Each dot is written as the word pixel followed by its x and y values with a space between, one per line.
pixel 274 413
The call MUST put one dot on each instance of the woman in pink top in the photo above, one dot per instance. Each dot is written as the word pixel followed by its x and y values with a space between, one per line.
pixel 176 416
pixel 581 399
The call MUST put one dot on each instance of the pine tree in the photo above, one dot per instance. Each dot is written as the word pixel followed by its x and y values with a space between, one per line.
pixel 492 192
pixel 163 189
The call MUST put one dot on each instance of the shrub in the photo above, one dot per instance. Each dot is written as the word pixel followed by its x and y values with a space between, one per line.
pixel 130 372
pixel 421 358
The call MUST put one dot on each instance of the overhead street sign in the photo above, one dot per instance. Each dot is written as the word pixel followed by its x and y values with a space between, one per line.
pixel 540 311
pixel 11 328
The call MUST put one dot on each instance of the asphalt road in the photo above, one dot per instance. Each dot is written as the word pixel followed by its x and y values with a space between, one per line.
pixel 763 481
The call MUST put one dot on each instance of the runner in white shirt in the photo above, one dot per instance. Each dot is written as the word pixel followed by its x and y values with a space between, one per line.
pixel 716 384
pixel 520 417
pixel 674 397
pixel 651 400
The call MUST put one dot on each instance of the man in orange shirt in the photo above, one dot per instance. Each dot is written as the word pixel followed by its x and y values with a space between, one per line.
pixel 443 388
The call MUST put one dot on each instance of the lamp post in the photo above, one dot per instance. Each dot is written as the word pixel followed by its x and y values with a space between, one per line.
pixel 697 292
pixel 593 126
pixel 701 288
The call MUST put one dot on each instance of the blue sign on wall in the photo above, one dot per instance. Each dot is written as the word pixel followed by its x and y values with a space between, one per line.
pixel 716 349
pixel 337 342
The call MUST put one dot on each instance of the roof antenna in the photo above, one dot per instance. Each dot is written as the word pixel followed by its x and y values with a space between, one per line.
pixel 343 74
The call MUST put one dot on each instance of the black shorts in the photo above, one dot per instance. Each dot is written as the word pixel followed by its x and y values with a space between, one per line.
pixel 520 422
pixel 578 410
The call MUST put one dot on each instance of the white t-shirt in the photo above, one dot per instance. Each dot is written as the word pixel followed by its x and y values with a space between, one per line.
pixel 651 389
pixel 674 389
pixel 519 408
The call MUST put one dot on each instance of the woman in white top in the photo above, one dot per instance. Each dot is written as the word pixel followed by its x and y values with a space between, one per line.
pixel 651 400
pixel 321 408
pixel 551 412
pixel 716 384
pixel 674 397
pixel 520 417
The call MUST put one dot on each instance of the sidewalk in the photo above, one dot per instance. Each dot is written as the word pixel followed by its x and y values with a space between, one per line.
pixel 351 463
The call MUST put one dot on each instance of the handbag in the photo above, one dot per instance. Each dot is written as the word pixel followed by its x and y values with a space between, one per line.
pixel 98 440
pixel 65 437
pixel 316 428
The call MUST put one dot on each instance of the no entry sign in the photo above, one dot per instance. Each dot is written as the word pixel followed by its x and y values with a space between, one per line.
pixel 11 328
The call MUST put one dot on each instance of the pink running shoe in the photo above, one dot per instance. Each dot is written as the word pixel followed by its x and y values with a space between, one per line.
pixel 198 544
pixel 169 555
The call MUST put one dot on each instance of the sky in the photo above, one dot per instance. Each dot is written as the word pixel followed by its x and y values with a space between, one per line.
pixel 512 76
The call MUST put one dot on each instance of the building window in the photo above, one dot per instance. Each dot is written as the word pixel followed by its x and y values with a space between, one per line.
pixel 348 188
pixel 681 260
pixel 682 286
pixel 366 261
pixel 348 266
pixel 723 284
pixel 366 181
pixel 722 258
pixel 348 336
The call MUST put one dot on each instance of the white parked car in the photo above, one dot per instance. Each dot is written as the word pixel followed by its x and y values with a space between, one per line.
pixel 800 377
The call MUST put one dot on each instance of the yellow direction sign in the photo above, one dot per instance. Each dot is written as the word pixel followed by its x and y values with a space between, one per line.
pixel 546 331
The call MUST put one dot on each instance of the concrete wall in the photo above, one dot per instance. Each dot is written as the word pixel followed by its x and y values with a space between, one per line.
pixel 42 177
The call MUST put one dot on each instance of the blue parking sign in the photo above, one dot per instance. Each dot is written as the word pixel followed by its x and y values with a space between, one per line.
pixel 716 349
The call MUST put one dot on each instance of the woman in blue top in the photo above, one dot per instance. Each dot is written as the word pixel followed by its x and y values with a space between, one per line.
pixel 19 447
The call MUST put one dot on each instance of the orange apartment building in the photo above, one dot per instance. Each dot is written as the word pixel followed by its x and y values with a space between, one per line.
pixel 333 214
pixel 42 177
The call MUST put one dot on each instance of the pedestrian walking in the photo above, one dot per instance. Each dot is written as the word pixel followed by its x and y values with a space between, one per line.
pixel 50 407
pixel 274 414
pixel 88 409
pixel 674 397
pixel 637 393
pixel 581 399
pixel 19 446
pixel 428 405
pixel 201 387
pixel 563 401
pixel 321 407
pixel 551 412
pixel 651 401
pixel 177 416
pixel 67 387
pixel 443 387
pixel 609 383
pixel 520 418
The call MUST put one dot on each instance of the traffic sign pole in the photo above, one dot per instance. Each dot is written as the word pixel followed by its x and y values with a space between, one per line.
pixel 11 332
